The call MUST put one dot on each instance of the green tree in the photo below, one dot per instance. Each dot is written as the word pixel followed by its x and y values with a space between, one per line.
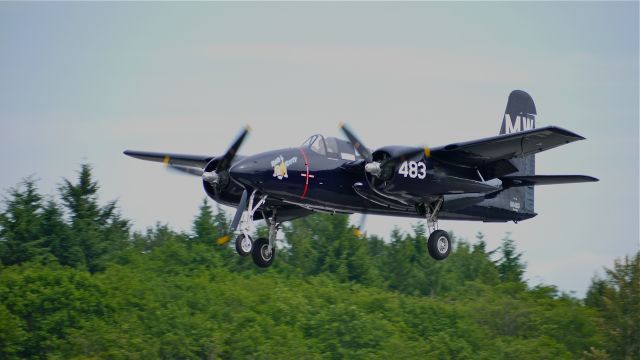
pixel 324 243
pixel 510 266
pixel 617 298
pixel 408 267
pixel 155 236
pixel 58 238
pixel 20 236
pixel 44 302
pixel 98 231
pixel 204 226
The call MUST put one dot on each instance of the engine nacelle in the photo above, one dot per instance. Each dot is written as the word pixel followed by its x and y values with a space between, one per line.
pixel 385 173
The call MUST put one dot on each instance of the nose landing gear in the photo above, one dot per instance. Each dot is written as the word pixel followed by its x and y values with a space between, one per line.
pixel 244 241
pixel 262 250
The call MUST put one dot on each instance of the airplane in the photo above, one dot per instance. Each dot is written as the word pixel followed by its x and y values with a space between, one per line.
pixel 490 179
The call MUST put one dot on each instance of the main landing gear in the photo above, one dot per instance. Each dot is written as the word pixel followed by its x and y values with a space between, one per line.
pixel 439 242
pixel 262 250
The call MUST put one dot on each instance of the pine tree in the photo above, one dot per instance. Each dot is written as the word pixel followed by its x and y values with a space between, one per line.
pixel 220 221
pixel 480 245
pixel 510 267
pixel 204 227
pixel 97 231
pixel 58 238
pixel 20 237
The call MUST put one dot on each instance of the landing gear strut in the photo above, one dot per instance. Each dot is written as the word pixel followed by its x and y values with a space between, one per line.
pixel 439 242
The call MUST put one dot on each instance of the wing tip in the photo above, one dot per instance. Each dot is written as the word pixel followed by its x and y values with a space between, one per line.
pixel 566 132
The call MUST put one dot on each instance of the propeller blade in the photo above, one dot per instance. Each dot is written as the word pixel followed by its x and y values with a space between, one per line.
pixel 405 156
pixel 225 162
pixel 359 231
pixel 236 219
pixel 184 170
pixel 360 148
pixel 239 210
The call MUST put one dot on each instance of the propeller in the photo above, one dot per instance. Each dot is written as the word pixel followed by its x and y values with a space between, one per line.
pixel 360 148
pixel 242 205
pixel 221 171
pixel 213 177
pixel 375 168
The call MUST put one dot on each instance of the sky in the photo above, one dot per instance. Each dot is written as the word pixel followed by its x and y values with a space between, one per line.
pixel 81 82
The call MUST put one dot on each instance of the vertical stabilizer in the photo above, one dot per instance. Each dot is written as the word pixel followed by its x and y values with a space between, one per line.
pixel 520 115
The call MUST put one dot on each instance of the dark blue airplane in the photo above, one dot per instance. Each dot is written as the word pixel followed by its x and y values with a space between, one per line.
pixel 490 179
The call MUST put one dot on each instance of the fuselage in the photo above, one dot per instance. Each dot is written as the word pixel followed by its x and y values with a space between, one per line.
pixel 333 181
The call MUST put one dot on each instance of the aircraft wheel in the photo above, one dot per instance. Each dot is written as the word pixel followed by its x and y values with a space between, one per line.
pixel 261 254
pixel 439 244
pixel 244 244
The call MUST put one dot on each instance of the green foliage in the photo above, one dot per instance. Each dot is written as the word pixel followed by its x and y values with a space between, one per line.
pixel 42 303
pixel 510 267
pixel 617 299
pixel 97 230
pixel 76 283
pixel 20 224
pixel 204 227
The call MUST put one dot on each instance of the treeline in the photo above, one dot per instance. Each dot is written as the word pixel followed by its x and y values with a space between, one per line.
pixel 77 282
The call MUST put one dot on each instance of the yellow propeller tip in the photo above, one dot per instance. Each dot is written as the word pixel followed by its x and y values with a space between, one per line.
pixel 223 240
pixel 247 127
pixel 165 161
pixel 357 232
pixel 341 124
pixel 427 152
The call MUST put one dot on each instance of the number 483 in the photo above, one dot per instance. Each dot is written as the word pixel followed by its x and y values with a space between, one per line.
pixel 413 169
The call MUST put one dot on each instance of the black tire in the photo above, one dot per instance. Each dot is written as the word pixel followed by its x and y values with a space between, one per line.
pixel 439 244
pixel 260 255
pixel 239 245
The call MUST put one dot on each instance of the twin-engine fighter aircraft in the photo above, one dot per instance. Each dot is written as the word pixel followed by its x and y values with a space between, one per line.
pixel 489 180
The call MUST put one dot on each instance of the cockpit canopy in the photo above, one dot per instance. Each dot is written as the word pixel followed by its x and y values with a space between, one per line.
pixel 331 147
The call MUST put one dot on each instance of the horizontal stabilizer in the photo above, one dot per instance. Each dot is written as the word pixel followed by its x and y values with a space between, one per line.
pixel 531 180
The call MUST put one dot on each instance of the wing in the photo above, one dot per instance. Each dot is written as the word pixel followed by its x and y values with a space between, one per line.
pixel 531 180
pixel 496 149
pixel 199 161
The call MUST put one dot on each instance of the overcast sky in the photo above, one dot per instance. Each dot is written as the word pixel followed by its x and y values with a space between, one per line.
pixel 80 82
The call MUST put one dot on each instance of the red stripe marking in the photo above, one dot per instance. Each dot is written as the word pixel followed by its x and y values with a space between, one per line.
pixel 306 184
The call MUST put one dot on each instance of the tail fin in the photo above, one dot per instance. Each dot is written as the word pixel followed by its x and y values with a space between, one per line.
pixel 519 115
